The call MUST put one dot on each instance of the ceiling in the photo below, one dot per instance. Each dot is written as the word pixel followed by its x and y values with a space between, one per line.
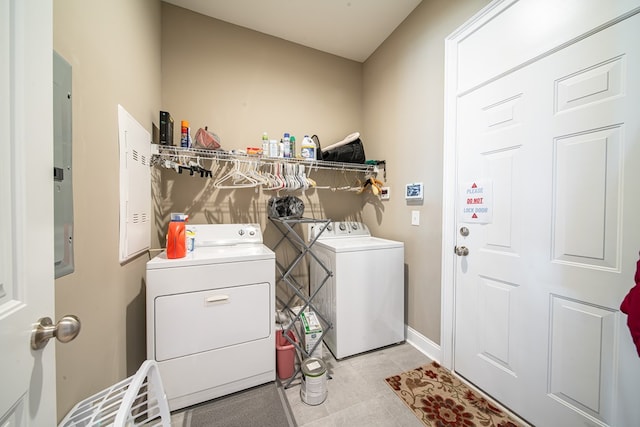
pixel 352 29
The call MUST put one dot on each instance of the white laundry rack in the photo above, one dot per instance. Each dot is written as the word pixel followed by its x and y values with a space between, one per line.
pixel 136 401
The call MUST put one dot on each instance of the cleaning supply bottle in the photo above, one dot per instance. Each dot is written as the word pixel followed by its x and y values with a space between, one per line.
pixel 265 145
pixel 177 237
pixel 308 148
pixel 274 147
pixel 292 146
pixel 286 146
pixel 184 134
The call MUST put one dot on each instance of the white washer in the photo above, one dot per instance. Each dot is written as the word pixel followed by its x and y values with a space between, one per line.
pixel 210 315
pixel 364 299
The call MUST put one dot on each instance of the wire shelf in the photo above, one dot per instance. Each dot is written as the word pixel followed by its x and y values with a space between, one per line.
pixel 160 152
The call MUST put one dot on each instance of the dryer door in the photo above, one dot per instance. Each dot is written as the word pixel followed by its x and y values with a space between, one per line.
pixel 195 322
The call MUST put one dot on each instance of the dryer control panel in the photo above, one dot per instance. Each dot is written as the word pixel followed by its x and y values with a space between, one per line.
pixel 339 229
pixel 225 234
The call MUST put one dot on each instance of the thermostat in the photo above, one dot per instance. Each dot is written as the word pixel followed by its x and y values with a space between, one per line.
pixel 414 191
pixel 385 193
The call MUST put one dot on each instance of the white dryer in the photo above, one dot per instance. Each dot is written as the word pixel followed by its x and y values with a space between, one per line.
pixel 210 315
pixel 364 298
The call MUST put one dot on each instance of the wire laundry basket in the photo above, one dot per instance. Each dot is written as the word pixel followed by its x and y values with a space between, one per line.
pixel 136 401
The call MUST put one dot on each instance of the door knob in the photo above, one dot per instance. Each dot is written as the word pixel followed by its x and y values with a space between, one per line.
pixel 65 330
pixel 461 250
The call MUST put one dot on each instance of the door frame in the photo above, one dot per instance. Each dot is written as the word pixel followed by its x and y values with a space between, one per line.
pixel 595 18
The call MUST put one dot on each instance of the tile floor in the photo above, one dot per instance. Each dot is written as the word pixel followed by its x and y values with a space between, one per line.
pixel 357 393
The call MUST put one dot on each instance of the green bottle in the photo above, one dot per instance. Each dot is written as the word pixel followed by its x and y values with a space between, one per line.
pixel 292 146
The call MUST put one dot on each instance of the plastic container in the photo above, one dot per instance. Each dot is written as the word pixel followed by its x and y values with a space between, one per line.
pixel 285 354
pixel 191 239
pixel 274 148
pixel 308 148
pixel 286 146
pixel 265 145
pixel 177 236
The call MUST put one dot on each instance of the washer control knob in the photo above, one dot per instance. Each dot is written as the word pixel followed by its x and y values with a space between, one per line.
pixel 354 225
pixel 342 226
pixel 241 232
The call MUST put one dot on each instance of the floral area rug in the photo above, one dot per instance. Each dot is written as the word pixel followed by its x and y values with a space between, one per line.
pixel 439 399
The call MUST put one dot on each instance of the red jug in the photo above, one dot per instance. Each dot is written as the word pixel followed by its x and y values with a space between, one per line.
pixel 176 240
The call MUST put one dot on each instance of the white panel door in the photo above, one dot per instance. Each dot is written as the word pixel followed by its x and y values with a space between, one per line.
pixel 27 377
pixel 537 324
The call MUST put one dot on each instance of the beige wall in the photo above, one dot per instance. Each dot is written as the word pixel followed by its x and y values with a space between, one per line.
pixel 114 50
pixel 403 119
pixel 241 83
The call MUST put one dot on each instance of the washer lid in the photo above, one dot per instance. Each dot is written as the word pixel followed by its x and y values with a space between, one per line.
pixel 352 244
pixel 214 255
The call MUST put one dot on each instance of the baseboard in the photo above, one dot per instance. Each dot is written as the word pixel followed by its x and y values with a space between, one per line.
pixel 424 344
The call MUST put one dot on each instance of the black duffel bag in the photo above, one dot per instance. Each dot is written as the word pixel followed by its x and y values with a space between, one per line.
pixel 349 150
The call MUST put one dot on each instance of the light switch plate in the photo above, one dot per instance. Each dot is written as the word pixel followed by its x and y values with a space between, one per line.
pixel 415 217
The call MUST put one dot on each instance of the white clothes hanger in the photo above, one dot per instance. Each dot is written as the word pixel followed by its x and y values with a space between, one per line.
pixel 237 177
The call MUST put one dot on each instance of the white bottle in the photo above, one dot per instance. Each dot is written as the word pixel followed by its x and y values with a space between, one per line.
pixel 286 146
pixel 265 145
pixel 273 148
pixel 308 148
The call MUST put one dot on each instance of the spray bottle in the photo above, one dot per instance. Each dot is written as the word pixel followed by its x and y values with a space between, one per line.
pixel 286 146
pixel 265 145
pixel 292 144
pixel 184 134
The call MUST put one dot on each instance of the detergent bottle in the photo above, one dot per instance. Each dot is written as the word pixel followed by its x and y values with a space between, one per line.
pixel 308 148
pixel 177 237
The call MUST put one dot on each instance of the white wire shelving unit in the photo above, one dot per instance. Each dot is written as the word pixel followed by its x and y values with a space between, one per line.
pixel 169 152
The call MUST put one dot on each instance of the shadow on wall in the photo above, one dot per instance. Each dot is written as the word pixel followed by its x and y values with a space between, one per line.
pixel 336 197
pixel 136 321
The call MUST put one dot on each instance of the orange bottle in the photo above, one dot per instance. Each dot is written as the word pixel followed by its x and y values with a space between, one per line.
pixel 177 237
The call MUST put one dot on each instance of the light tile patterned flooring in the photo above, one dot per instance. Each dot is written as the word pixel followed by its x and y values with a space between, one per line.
pixel 357 392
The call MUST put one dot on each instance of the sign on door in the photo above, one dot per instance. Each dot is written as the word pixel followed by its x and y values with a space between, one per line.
pixel 476 201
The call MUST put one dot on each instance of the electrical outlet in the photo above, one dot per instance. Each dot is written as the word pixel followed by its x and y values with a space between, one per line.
pixel 415 217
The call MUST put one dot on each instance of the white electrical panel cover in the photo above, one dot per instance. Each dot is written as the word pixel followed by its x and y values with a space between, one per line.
pixel 135 186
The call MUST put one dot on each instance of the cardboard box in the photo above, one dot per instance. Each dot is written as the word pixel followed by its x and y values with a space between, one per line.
pixel 311 333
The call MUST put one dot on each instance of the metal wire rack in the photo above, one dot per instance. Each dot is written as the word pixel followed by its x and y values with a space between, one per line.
pixel 163 152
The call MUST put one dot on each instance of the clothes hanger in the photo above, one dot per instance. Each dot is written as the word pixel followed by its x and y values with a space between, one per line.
pixel 273 181
pixel 254 173
pixel 237 177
